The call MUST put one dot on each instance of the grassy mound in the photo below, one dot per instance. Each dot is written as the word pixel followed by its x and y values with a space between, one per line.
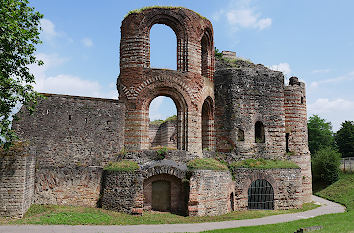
pixel 122 166
pixel 206 164
pixel 263 164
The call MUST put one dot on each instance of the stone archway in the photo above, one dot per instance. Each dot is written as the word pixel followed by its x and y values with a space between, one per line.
pixel 138 84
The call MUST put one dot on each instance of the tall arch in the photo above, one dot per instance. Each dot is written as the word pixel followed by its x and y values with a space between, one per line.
pixel 138 83
pixel 207 124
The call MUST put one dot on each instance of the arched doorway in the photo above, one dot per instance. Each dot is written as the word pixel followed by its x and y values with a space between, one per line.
pixel 164 192
pixel 261 195
pixel 161 195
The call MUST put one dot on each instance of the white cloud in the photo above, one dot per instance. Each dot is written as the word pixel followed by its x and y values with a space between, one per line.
pixel 329 109
pixel 240 14
pixel 347 77
pixel 87 42
pixel 154 110
pixel 48 28
pixel 66 83
pixel 282 67
pixel 321 71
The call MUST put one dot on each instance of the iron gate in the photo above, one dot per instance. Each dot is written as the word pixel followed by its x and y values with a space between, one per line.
pixel 261 195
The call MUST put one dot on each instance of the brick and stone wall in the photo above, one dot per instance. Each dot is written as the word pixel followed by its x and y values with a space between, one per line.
pixel 286 183
pixel 79 186
pixel 69 135
pixel 17 169
pixel 245 94
pixel 189 86
pixel 123 192
pixel 209 193
pixel 296 129
pixel 164 134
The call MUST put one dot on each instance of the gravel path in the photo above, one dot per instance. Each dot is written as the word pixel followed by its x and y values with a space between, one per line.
pixel 327 207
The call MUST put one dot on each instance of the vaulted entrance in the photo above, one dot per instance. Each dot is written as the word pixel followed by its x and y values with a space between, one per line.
pixel 161 195
pixel 261 195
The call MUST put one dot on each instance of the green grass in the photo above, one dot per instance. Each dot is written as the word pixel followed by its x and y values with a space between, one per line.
pixel 206 164
pixel 341 191
pixel 71 215
pixel 263 164
pixel 162 7
pixel 124 165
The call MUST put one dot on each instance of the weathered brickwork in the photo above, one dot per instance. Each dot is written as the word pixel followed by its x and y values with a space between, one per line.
pixel 209 193
pixel 17 169
pixel 189 86
pixel 244 96
pixel 164 134
pixel 252 114
pixel 68 185
pixel 123 192
pixel 286 183
pixel 296 129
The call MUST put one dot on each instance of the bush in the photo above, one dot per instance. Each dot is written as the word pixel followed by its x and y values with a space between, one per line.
pixel 325 165
pixel 206 164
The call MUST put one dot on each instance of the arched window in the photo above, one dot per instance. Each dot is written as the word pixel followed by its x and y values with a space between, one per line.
pixel 240 135
pixel 204 56
pixel 261 195
pixel 163 47
pixel 259 132
pixel 207 123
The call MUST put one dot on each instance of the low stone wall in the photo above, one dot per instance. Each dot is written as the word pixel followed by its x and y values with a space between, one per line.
pixel 78 186
pixel 16 183
pixel 210 193
pixel 123 192
pixel 286 184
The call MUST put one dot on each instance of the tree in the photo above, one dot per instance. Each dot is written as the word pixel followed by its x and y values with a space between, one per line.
pixel 19 33
pixel 345 139
pixel 325 165
pixel 320 134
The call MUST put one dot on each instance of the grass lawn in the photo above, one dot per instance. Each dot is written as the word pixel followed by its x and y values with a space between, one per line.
pixel 341 191
pixel 73 215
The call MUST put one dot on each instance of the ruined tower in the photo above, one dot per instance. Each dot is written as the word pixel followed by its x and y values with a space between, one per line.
pixel 190 86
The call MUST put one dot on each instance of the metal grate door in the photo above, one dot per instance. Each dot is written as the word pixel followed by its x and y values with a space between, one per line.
pixel 261 195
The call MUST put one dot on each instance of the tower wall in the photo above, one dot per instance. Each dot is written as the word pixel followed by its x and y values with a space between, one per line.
pixel 296 128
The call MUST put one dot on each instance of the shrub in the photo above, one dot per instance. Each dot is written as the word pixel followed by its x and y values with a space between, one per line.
pixel 206 164
pixel 263 164
pixel 161 153
pixel 123 166
pixel 325 165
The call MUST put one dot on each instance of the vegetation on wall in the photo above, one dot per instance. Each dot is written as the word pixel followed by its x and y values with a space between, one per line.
pixel 263 164
pixel 122 166
pixel 206 164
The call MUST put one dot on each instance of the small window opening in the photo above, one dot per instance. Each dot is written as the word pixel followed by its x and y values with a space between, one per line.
pixel 85 120
pixel 240 135
pixel 47 111
pixel 69 117
pixel 287 142
pixel 302 99
pixel 259 132
pixel 232 201
pixel 108 122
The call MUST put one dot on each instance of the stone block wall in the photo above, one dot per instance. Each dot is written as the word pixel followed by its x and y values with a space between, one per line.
pixel 286 183
pixel 244 95
pixel 78 185
pixel 17 171
pixel 209 193
pixel 69 135
pixel 164 134
pixel 123 192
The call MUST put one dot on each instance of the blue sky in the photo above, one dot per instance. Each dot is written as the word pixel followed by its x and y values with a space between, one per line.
pixel 313 40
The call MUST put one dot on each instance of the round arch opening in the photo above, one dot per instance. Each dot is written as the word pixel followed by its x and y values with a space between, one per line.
pixel 261 195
